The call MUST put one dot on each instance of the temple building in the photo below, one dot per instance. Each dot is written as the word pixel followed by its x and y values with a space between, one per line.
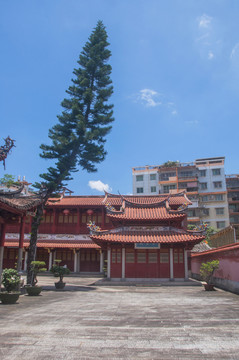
pixel 16 205
pixel 126 236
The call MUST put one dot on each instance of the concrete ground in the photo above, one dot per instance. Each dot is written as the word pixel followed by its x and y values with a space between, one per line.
pixel 132 322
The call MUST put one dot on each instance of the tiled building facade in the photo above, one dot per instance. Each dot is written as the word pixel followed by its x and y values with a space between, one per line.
pixel 203 180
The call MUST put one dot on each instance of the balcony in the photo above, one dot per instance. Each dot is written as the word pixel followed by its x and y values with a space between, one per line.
pixel 167 179
pixel 234 211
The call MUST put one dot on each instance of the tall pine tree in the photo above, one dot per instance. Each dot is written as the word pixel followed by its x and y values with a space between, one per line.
pixel 77 140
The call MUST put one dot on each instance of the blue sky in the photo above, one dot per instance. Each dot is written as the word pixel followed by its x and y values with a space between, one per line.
pixel 175 76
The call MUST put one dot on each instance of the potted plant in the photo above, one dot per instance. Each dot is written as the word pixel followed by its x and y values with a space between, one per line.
pixel 59 271
pixel 10 281
pixel 36 267
pixel 206 271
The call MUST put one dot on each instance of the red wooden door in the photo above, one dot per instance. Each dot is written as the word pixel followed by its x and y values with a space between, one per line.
pixel 116 263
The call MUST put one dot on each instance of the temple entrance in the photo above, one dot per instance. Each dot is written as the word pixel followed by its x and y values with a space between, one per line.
pixel 89 260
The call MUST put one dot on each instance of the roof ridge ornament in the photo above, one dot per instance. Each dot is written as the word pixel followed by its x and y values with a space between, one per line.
pixel 202 228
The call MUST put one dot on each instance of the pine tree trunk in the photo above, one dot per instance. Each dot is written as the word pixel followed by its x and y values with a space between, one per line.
pixel 33 242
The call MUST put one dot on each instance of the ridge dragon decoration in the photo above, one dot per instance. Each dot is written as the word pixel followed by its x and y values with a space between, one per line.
pixel 5 149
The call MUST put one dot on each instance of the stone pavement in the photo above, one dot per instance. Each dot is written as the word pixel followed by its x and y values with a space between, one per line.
pixel 120 322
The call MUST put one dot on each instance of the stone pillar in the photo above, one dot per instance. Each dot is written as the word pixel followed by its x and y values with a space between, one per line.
pixel 171 264
pixel 50 260
pixel 75 261
pixel 108 262
pixel 78 266
pixel 2 240
pixel 25 260
pixel 185 264
pixel 123 263
pixel 21 240
pixel 101 261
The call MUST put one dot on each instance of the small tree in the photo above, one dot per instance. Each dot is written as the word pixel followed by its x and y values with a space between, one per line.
pixel 8 180
pixel 59 271
pixel 170 163
pixel 207 270
pixel 36 268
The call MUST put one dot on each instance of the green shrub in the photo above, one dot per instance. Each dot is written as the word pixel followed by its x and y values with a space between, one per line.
pixel 207 269
pixel 10 280
pixel 36 268
pixel 59 271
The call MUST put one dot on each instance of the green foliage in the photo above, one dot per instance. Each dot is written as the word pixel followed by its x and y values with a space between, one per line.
pixel 207 269
pixel 79 136
pixel 170 163
pixel 36 268
pixel 59 271
pixel 209 232
pixel 10 279
pixel 8 180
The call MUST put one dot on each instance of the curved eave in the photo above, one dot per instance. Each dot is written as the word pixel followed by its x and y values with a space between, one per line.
pixel 146 237
pixel 145 218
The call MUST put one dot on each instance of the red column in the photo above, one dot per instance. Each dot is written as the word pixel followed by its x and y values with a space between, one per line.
pixel 2 241
pixel 103 218
pixel 3 233
pixel 21 239
pixel 78 220
pixel 54 222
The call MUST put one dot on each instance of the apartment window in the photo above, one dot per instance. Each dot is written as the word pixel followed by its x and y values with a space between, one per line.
pixel 217 184
pixel 206 212
pixel 220 211
pixel 166 176
pixel 153 189
pixel 203 186
pixel 219 197
pixel 166 188
pixel 140 190
pixel 186 174
pixel 191 213
pixel 220 224
pixel 202 172
pixel 205 198
pixel 139 177
pixel 216 171
pixel 152 176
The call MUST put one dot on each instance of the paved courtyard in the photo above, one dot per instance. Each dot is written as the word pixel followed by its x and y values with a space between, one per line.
pixel 137 322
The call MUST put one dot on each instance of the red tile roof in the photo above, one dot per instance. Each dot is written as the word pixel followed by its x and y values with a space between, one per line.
pixel 150 213
pixel 116 200
pixel 76 244
pixel 229 247
pixel 163 237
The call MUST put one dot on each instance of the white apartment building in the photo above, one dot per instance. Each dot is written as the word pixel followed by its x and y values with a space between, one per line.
pixel 213 191
pixel 203 180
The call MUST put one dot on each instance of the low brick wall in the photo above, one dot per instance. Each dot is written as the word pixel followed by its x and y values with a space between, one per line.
pixel 227 276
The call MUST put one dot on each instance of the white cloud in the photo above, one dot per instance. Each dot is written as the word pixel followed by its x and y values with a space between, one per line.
pixel 210 55
pixel 234 50
pixel 152 98
pixel 204 21
pixel 149 98
pixel 99 186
